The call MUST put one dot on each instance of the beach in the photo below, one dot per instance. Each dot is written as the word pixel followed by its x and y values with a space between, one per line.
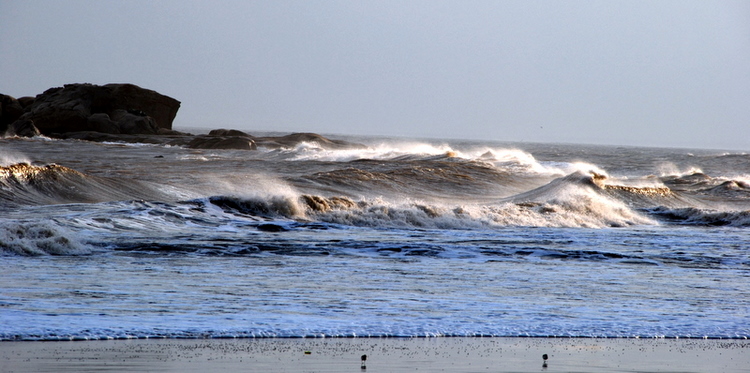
pixel 383 355
pixel 370 186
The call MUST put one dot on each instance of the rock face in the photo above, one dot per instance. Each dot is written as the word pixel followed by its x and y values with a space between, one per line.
pixel 112 108
pixel 222 142
pixel 26 101
pixel 226 132
pixel 10 111
pixel 130 114
pixel 217 139
pixel 22 128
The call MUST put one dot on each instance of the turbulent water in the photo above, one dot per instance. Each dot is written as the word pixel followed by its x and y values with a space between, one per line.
pixel 399 238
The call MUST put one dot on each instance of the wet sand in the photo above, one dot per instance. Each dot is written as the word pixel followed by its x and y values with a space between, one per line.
pixel 383 355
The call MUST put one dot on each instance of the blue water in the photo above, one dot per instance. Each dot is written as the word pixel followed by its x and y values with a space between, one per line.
pixel 228 246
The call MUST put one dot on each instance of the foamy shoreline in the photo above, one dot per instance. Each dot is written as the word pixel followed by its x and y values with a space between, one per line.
pixel 457 354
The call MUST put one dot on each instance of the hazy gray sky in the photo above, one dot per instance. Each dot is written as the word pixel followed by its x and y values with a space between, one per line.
pixel 654 73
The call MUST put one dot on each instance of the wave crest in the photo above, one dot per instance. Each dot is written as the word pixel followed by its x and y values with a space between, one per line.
pixel 573 201
pixel 705 217
pixel 23 183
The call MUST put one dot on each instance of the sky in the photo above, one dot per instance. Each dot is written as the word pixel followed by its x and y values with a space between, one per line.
pixel 640 73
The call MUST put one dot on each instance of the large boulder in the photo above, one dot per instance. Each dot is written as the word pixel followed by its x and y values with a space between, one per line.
pixel 112 108
pixel 216 139
pixel 130 121
pixel 26 101
pixel 226 132
pixel 145 102
pixel 10 111
pixel 221 142
pixel 101 122
pixel 22 128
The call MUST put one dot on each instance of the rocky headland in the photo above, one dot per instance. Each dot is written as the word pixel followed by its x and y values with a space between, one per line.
pixel 125 113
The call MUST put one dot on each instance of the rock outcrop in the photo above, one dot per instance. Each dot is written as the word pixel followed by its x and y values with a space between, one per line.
pixel 225 132
pixel 130 114
pixel 216 139
pixel 112 108
pixel 10 110
pixel 222 142
pixel 22 128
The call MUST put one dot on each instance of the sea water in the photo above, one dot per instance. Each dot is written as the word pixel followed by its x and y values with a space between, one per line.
pixel 396 238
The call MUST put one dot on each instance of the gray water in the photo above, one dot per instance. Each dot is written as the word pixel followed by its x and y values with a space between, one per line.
pixel 401 238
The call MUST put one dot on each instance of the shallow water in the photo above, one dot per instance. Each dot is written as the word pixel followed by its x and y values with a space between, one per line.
pixel 398 239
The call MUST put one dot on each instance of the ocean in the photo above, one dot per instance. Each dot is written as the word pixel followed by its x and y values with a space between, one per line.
pixel 399 238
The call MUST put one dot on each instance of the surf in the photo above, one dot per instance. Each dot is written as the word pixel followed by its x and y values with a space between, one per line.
pixel 26 184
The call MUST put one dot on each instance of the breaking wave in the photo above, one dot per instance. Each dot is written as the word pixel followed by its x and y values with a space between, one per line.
pixel 705 217
pixel 26 184
pixel 571 201
pixel 580 199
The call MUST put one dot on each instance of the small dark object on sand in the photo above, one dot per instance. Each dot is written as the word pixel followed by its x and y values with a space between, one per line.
pixel 364 358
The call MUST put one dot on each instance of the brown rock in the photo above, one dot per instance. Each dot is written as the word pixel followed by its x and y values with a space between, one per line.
pixel 220 142
pixel 151 103
pixel 168 132
pixel 26 101
pixel 22 128
pixel 225 132
pixel 10 111
pixel 110 137
pixel 101 122
pixel 133 110
pixel 134 122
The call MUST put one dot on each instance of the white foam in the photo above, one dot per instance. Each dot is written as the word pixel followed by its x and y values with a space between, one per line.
pixel 312 151
pixel 39 238
pixel 671 169
pixel 511 159
pixel 575 207
pixel 742 178
pixel 506 158
pixel 8 157
pixel 257 186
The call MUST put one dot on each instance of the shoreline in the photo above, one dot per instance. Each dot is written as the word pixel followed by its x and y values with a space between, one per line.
pixel 449 354
pixel 320 337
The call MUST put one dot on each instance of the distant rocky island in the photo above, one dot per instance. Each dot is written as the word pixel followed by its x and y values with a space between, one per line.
pixel 125 113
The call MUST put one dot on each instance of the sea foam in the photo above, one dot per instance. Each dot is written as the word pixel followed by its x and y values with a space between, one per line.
pixel 39 238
